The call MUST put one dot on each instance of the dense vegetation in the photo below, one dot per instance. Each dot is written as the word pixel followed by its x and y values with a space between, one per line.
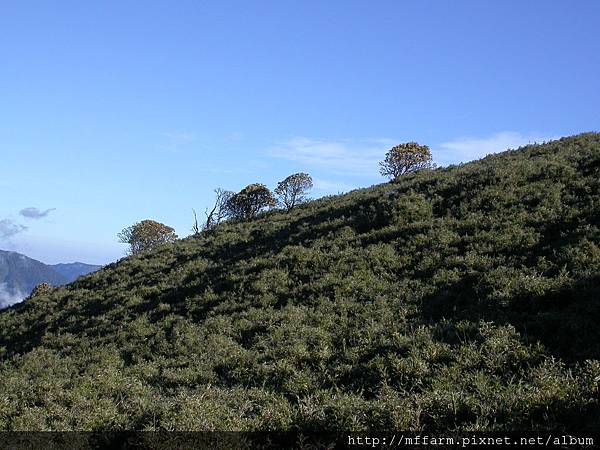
pixel 459 298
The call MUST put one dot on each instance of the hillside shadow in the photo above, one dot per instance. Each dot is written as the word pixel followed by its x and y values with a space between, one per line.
pixel 262 242
pixel 564 321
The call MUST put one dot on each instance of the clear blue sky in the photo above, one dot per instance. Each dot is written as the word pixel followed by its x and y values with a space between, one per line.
pixel 116 111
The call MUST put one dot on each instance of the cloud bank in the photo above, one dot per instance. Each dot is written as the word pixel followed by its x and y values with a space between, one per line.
pixel 35 213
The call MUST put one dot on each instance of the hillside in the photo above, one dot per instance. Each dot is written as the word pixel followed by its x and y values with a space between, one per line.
pixel 19 274
pixel 461 298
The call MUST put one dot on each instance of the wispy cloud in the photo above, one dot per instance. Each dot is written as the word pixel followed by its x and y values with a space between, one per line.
pixel 180 136
pixel 35 213
pixel 177 140
pixel 234 136
pixel 361 157
pixel 331 187
pixel 357 157
pixel 470 148
pixel 9 228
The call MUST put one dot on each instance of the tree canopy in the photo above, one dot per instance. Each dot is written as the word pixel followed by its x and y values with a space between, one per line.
pixel 292 191
pixel 146 235
pixel 405 158
pixel 251 200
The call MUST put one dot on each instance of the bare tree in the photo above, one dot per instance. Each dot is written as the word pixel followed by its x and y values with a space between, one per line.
pixel 292 191
pixel 195 227
pixel 406 158
pixel 218 213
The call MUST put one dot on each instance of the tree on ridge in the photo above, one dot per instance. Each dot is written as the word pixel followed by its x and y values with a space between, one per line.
pixel 251 200
pixel 406 158
pixel 218 213
pixel 292 191
pixel 146 235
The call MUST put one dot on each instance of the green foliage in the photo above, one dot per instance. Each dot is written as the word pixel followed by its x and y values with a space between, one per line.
pixel 405 158
pixel 465 298
pixel 247 203
pixel 292 191
pixel 41 289
pixel 146 235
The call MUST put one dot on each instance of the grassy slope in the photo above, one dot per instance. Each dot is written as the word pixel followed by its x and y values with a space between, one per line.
pixel 461 298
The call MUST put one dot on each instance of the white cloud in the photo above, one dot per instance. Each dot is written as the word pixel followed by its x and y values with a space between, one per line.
pixel 9 297
pixel 345 157
pixel 468 149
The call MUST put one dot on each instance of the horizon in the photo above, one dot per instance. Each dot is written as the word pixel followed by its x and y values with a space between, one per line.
pixel 113 114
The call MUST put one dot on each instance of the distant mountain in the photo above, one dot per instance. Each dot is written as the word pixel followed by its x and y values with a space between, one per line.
pixel 19 274
pixel 72 271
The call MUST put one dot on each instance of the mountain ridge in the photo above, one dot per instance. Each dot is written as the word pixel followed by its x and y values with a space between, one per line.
pixel 19 274
pixel 73 270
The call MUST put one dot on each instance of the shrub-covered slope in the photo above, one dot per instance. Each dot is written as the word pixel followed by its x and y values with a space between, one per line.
pixel 461 298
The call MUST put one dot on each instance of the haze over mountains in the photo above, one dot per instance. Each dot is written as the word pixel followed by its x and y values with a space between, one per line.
pixel 19 274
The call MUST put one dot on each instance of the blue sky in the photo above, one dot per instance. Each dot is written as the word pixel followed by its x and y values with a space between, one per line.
pixel 116 111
